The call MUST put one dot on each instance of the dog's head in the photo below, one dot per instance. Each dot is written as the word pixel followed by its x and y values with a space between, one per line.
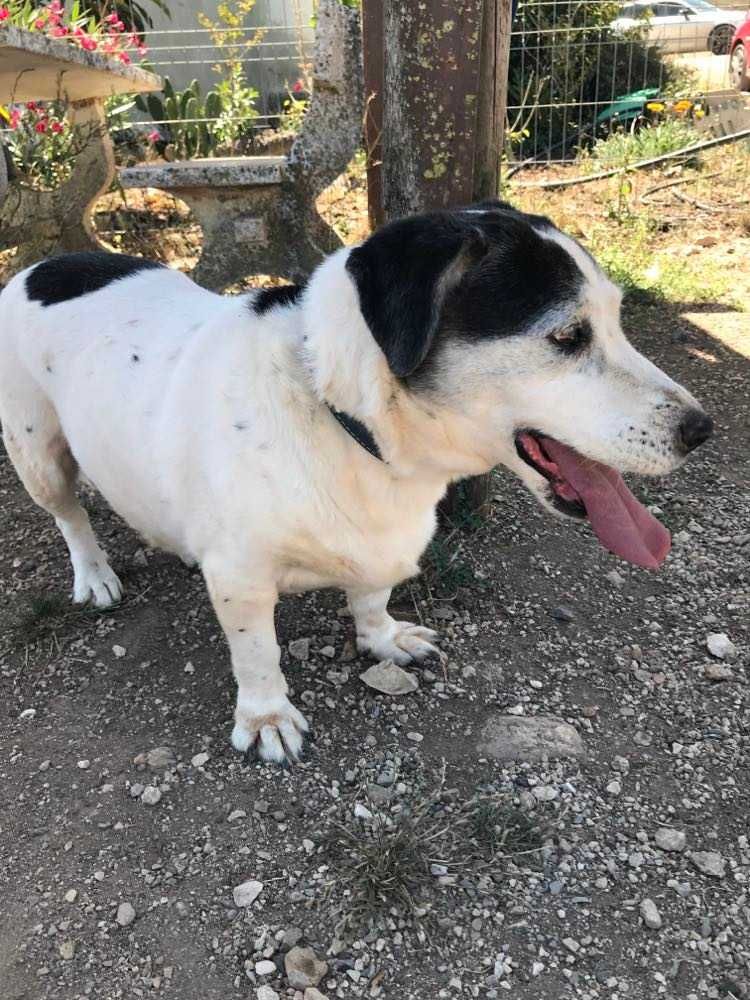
pixel 498 317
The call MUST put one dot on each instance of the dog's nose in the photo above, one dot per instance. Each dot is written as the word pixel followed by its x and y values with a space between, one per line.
pixel 695 428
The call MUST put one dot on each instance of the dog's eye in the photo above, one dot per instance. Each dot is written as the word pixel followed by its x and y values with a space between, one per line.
pixel 572 339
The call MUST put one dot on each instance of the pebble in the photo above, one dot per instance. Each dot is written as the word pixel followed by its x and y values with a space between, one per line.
pixel 389 679
pixel 266 993
pixel 562 613
pixel 304 968
pixel 328 651
pixel 160 758
pixel 265 968
pixel 246 893
pixel 200 759
pixel 312 994
pixel 709 862
pixel 119 651
pixel 650 914
pixel 717 672
pixel 125 914
pixel 545 793
pixel 151 796
pixel 614 577
pixel 415 737
pixel 300 649
pixel 67 950
pixel 84 765
pixel 28 713
pixel 721 646
pixel 71 895
pixel 136 790
pixel 614 787
pixel 362 812
pixel 670 840
pixel 529 738
pixel 236 814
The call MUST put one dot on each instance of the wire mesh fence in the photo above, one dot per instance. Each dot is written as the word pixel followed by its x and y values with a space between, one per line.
pixel 580 69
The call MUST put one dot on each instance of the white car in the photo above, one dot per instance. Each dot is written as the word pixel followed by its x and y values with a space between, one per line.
pixel 692 26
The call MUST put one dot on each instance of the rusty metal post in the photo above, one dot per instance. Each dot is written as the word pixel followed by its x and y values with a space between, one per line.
pixel 436 85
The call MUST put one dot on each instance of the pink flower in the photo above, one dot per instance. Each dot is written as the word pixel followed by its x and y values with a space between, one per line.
pixel 154 136
pixel 56 7
pixel 40 23
pixel 60 32
pixel 142 50
pixel 57 127
pixel 41 126
pixel 15 118
pixel 4 13
pixel 32 106
pixel 298 87
pixel 124 58
pixel 112 18
pixel 89 44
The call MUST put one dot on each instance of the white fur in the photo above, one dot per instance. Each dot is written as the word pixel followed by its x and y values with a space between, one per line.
pixel 204 426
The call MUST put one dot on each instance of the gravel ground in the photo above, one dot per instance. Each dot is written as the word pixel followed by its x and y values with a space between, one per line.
pixel 142 857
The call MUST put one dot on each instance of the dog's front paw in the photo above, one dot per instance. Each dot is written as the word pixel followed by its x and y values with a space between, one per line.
pixel 272 729
pixel 96 582
pixel 401 642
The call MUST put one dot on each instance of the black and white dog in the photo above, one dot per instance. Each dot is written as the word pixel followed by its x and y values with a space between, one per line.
pixel 301 437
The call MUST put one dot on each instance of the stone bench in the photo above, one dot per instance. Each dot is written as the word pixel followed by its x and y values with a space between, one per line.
pixel 258 213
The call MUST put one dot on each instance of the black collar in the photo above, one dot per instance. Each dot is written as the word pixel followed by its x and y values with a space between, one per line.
pixel 356 429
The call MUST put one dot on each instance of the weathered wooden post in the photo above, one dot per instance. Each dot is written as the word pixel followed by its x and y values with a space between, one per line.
pixel 435 82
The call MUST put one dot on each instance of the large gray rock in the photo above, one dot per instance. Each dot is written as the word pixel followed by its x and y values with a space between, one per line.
pixel 304 968
pixel 515 737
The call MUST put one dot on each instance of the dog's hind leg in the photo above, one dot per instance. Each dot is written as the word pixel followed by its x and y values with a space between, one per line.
pixel 43 460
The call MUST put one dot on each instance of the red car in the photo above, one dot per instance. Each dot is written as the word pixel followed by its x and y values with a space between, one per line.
pixel 739 57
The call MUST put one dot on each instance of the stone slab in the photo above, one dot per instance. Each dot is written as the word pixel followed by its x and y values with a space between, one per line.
pixel 210 172
pixel 34 67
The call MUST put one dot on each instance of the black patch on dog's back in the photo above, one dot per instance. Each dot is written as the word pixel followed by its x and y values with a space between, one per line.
pixel 280 295
pixel 69 276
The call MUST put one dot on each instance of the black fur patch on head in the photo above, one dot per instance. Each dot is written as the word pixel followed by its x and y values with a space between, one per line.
pixel 72 275
pixel 474 274
pixel 280 295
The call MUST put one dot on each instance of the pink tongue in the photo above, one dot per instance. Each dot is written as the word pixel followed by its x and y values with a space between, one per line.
pixel 621 523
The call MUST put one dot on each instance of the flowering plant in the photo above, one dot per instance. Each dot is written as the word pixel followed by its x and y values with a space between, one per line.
pixel 40 141
pixel 108 34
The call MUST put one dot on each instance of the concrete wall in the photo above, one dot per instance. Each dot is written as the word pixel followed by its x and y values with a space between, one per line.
pixel 180 50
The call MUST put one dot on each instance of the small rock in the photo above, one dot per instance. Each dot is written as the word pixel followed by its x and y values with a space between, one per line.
pixel 261 806
pixel 265 968
pixel 709 862
pixel 125 914
pixel 139 559
pixel 415 737
pixel 614 577
pixel 151 796
pixel 200 759
pixel 136 790
pixel 562 613
pixel 721 646
pixel 571 944
pixel 28 713
pixel 71 895
pixel 304 968
pixel 362 812
pixel 160 758
pixel 670 840
pixel 544 793
pixel 328 651
pixel 614 787
pixel 266 993
pixel 312 994
pixel 236 814
pixel 717 672
pixel 84 765
pixel 650 914
pixel 246 893
pixel 67 950
pixel 300 649
pixel 390 679
pixel 529 738
pixel 119 651
pixel 292 936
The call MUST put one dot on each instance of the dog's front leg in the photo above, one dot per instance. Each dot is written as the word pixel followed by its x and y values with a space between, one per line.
pixel 265 719
pixel 380 634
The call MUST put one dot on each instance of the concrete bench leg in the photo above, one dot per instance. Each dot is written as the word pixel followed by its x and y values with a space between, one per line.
pixel 44 223
pixel 249 231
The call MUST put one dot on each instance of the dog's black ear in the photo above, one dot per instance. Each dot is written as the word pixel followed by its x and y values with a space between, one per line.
pixel 404 273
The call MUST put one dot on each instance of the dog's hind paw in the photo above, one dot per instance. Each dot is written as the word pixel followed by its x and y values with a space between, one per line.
pixel 402 643
pixel 273 732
